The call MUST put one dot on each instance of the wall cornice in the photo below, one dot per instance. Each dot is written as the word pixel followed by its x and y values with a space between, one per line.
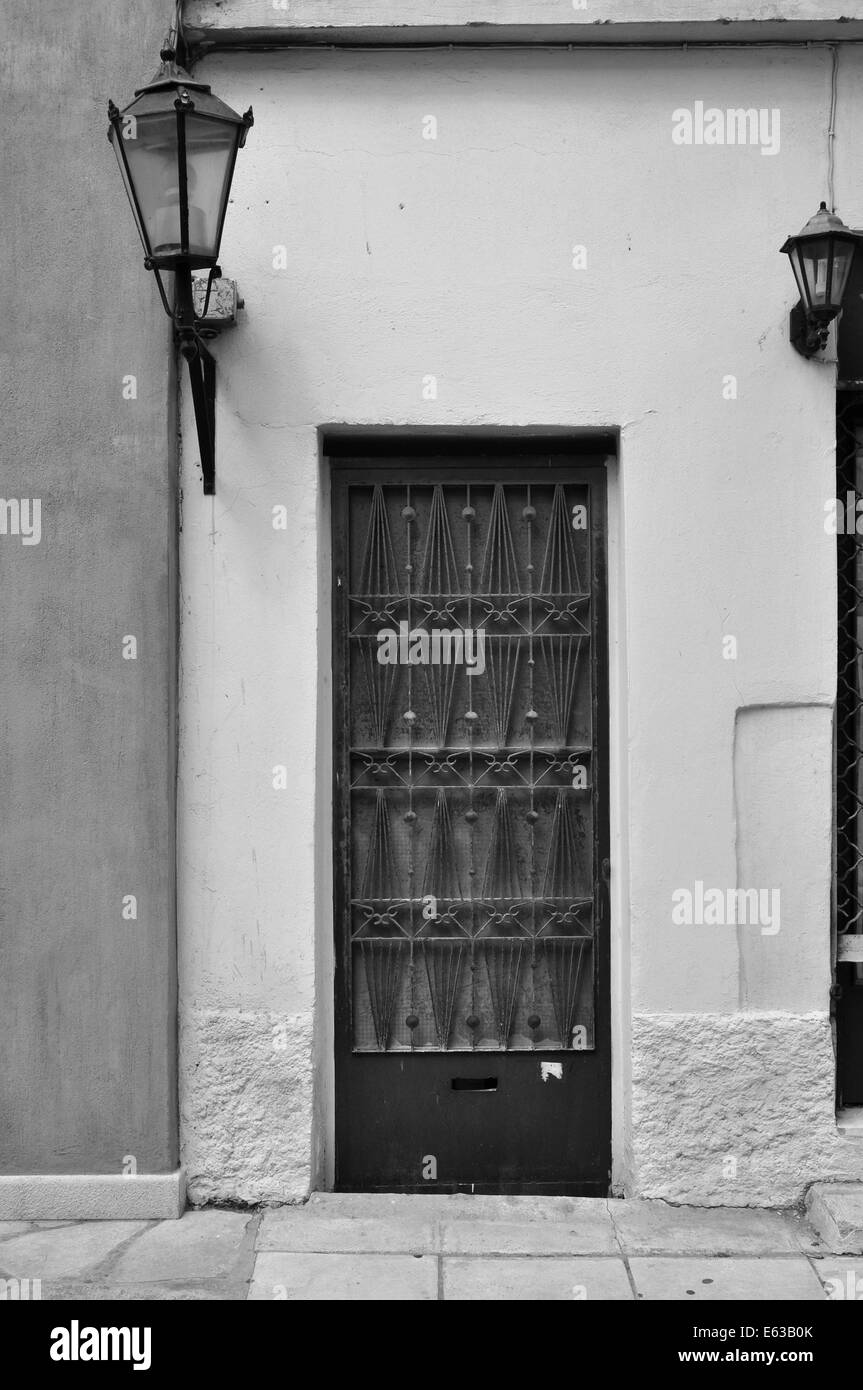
pixel 250 23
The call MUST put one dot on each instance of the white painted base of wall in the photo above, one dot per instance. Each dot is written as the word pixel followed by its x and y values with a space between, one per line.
pixel 735 1109
pixel 93 1197
pixel 246 1105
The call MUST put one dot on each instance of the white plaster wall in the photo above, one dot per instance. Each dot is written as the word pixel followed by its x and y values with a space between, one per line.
pixel 453 257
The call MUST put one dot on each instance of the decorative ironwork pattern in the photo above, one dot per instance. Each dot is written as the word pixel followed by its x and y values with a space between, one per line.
pixel 849 695
pixel 383 972
pixel 470 726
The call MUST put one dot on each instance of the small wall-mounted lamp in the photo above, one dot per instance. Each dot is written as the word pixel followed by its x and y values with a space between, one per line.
pixel 821 257
pixel 176 145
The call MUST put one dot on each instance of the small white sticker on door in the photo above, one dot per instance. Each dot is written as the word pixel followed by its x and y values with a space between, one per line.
pixel 547 1069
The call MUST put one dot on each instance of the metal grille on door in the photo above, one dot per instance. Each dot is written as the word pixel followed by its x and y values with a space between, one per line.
pixel 469 727
pixel 848 986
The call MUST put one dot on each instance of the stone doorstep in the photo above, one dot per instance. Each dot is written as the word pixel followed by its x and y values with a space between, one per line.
pixel 436 1206
pixel 835 1209
pixel 373 1223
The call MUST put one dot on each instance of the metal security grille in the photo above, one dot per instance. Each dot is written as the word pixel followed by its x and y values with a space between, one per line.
pixel 849 698
pixel 469 714
pixel 848 990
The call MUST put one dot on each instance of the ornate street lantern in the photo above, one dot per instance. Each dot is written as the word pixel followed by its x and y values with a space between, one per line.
pixel 821 257
pixel 176 145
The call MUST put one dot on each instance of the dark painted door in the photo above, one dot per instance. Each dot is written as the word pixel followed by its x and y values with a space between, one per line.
pixel 471 828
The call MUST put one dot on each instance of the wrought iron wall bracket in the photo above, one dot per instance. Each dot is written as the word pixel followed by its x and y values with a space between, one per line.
pixel 203 308
pixel 202 375
pixel 809 335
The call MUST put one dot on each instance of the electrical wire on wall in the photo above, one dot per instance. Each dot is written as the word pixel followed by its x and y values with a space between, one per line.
pixel 177 39
pixel 831 126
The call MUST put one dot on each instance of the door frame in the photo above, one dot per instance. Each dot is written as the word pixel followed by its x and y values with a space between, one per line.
pixel 337 440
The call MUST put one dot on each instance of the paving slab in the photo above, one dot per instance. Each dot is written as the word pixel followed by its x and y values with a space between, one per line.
pixel 537 1278
pixel 318 1277
pixel 836 1212
pixel 202 1244
pixel 292 1229
pixel 703 1279
pixel 205 1291
pixel 842 1278
pixel 656 1227
pixel 66 1251
pixel 591 1234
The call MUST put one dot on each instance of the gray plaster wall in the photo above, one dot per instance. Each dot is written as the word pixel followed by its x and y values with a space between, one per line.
pixel 87 997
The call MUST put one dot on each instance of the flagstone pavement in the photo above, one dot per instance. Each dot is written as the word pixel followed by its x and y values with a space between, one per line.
pixel 356 1246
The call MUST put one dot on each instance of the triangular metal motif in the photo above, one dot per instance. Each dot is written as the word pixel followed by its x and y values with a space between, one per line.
pixel 379 875
pixel 443 963
pixel 378 572
pixel 562 865
pixel 560 656
pixel 439 571
pixel 440 878
pixel 380 682
pixel 503 964
pixel 440 687
pixel 499 572
pixel 382 961
pixel 564 957
pixel 559 568
pixel 501 871
pixel 502 661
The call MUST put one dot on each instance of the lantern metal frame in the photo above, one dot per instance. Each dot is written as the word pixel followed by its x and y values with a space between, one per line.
pixel 809 326
pixel 173 88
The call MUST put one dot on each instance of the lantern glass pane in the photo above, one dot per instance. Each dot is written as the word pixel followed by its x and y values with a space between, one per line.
pixel 799 276
pixel 151 152
pixel 815 258
pixel 843 255
pixel 118 143
pixel 211 148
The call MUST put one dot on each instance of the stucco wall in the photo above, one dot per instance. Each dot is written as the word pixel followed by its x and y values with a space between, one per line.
pixel 87 996
pixel 452 257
